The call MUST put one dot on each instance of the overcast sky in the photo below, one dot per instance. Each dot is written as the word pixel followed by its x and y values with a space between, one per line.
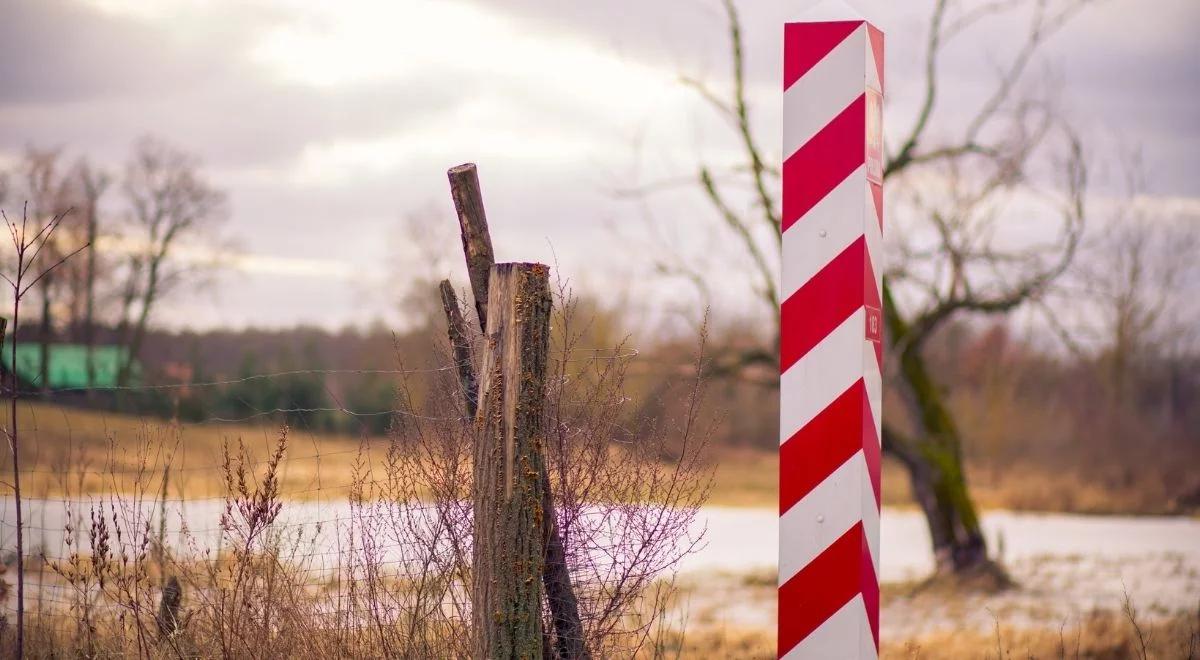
pixel 329 123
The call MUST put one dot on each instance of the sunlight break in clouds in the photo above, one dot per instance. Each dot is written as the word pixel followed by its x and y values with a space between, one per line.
pixel 306 112
pixel 371 42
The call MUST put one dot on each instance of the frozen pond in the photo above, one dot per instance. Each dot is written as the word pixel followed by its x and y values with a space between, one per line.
pixel 1081 562
pixel 736 539
pixel 746 538
pixel 1066 566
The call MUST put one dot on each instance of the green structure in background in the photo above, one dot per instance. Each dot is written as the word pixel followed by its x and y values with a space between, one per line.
pixel 68 365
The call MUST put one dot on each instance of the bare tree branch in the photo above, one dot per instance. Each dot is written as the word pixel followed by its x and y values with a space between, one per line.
pixel 739 226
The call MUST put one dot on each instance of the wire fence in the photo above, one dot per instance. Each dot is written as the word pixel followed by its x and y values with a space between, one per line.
pixel 170 477
pixel 138 499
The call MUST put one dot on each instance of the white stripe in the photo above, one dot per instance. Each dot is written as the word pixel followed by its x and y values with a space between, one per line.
pixel 824 91
pixel 874 239
pixel 873 381
pixel 822 516
pixel 846 634
pixel 824 232
pixel 816 379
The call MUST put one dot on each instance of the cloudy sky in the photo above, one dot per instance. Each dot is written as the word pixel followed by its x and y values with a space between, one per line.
pixel 330 124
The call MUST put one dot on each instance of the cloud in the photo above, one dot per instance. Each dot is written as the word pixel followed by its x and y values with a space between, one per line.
pixel 62 52
pixel 326 122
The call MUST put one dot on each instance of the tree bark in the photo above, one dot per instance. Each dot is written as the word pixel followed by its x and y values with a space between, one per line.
pixel 460 346
pixel 507 554
pixel 476 240
pixel 556 578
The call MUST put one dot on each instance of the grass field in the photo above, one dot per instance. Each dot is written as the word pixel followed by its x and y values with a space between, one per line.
pixel 1105 635
pixel 71 451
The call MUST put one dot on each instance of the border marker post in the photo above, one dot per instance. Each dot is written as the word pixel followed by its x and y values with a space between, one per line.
pixel 831 350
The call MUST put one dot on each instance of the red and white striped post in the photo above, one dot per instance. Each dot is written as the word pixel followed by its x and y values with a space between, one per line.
pixel 830 340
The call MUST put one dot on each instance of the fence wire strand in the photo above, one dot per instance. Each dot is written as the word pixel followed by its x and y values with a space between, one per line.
pixel 332 539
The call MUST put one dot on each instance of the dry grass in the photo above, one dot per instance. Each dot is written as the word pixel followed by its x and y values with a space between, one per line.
pixel 397 585
pixel 722 643
pixel 1039 488
pixel 71 451
pixel 395 573
pixel 713 608
pixel 750 478
pixel 1100 636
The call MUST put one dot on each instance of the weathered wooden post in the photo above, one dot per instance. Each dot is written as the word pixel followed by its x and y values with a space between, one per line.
pixel 460 347
pixel 508 545
pixel 555 575
pixel 830 339
pixel 473 227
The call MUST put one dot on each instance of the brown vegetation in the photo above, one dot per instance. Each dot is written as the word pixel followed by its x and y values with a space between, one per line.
pixel 398 580
pixel 1100 636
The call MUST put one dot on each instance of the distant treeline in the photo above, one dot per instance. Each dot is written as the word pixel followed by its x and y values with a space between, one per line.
pixel 1128 422
pixel 179 370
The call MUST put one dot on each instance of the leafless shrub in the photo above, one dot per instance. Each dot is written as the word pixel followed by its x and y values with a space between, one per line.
pixel 37 256
pixel 390 574
pixel 626 501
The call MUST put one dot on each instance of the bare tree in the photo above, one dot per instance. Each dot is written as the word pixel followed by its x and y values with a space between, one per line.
pixel 40 180
pixel 91 184
pixel 1130 278
pixel 951 261
pixel 422 258
pixel 68 294
pixel 170 205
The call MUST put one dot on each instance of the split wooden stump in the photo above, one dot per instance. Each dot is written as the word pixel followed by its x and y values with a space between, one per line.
pixel 518 553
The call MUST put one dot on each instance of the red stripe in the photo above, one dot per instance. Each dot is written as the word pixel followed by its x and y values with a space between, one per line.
pixel 821 588
pixel 876 38
pixel 823 445
pixel 805 44
pixel 870 287
pixel 869 584
pixel 871 448
pixel 826 443
pixel 824 161
pixel 822 304
pixel 877 195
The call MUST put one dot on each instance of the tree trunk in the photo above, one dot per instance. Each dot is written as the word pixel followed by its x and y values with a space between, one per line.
pixel 89 312
pixel 933 457
pixel 44 335
pixel 560 593
pixel 507 557
pixel 149 297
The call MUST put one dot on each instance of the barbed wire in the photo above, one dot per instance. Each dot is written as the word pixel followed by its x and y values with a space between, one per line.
pixel 112 469
pixel 31 393
pixel 244 379
pixel 327 541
